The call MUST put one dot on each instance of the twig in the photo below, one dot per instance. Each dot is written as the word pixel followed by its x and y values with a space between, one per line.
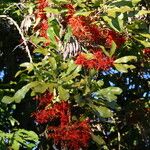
pixel 21 34
pixel 17 46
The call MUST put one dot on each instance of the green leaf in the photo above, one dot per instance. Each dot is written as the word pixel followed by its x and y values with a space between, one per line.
pixel 15 145
pixel 52 35
pixel 37 40
pixel 109 93
pixel 97 2
pixel 71 67
pixel 143 42
pixel 54 23
pixel 53 63
pixel 59 2
pixel 124 67
pixel 29 66
pixel 121 68
pixel 19 72
pixel 28 135
pixel 103 111
pixel 83 13
pixel 72 75
pixel 121 3
pixel 20 94
pixel 143 12
pixel 63 93
pixel 68 34
pixel 125 59
pixel 40 88
pixel 87 90
pixel 100 83
pixel 27 138
pixel 146 35
pixel 110 22
pixel 98 139
pixel 104 51
pixel 121 21
pixel 51 10
pixel 113 48
pixel 13 121
pixel 135 2
pixel 112 12
pixel 43 51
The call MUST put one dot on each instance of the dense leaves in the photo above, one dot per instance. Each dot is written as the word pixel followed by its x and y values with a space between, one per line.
pixel 85 85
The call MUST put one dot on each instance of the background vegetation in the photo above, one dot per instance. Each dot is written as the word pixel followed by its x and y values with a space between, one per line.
pixel 48 53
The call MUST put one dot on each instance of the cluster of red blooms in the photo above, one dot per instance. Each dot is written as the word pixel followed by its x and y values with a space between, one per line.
pixel 85 30
pixel 98 61
pixel 114 36
pixel 72 135
pixel 42 26
pixel 56 111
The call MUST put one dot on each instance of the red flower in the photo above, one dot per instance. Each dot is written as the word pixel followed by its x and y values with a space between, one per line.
pixel 42 4
pixel 42 20
pixel 98 62
pixel 81 59
pixel 85 30
pixel 82 30
pixel 57 110
pixel 73 136
pixel 103 62
pixel 43 116
pixel 114 36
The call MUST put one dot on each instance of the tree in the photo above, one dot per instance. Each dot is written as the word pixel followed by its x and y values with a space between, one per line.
pixel 83 76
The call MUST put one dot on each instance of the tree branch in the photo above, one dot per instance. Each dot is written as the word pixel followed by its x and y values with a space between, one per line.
pixel 21 34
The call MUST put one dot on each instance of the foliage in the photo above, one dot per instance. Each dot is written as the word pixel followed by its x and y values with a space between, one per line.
pixel 87 74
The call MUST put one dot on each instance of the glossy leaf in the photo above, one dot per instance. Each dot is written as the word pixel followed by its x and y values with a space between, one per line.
pixel 20 94
pixel 63 93
pixel 135 2
pixel 98 139
pixel 125 59
pixel 103 111
pixel 113 48
pixel 121 68
pixel 109 93
pixel 110 23
pixel 51 10
pixel 143 42
pixel 29 66
pixel 146 35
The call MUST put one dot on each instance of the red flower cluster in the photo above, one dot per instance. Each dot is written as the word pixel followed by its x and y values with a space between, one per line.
pixel 98 61
pixel 42 26
pixel 56 111
pixel 72 136
pixel 116 37
pixel 42 4
pixel 84 29
pixel 67 134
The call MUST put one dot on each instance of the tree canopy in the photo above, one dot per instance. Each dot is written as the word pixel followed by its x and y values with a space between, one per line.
pixel 75 74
